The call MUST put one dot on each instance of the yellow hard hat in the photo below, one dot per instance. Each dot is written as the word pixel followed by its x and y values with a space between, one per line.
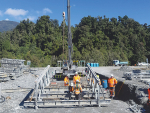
pixel 98 76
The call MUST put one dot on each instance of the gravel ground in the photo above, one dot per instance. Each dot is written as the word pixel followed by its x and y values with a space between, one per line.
pixel 126 89
pixel 13 104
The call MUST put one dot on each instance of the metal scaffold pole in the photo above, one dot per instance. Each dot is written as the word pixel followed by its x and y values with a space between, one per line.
pixel 0 91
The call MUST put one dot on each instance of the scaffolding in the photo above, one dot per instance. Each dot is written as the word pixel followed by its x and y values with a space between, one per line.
pixel 45 94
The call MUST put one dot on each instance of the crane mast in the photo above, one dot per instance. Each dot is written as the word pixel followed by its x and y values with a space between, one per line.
pixel 69 36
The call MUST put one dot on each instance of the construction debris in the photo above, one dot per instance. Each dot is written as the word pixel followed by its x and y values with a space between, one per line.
pixel 7 98
pixel 125 69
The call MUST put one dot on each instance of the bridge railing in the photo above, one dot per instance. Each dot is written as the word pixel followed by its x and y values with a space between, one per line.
pixel 94 83
pixel 41 82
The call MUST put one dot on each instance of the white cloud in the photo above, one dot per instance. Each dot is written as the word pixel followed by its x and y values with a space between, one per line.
pixel 7 19
pixel 45 10
pixel 31 18
pixel 16 12
pixel 37 12
pixel 0 13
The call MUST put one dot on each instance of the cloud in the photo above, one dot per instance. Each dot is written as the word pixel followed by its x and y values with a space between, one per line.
pixel 0 13
pixel 31 18
pixel 37 12
pixel 7 19
pixel 16 12
pixel 45 10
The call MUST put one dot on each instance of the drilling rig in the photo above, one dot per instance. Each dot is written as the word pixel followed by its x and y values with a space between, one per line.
pixel 68 67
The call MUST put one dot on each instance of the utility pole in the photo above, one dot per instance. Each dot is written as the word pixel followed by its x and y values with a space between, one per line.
pixel 69 36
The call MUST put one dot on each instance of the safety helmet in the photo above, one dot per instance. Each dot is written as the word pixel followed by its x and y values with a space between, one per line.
pixel 112 75
pixel 97 76
pixel 71 84
pixel 76 73
pixel 77 81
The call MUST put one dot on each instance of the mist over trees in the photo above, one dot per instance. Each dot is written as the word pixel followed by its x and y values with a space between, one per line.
pixel 95 39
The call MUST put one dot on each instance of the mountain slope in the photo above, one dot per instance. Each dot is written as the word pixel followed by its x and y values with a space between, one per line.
pixel 7 25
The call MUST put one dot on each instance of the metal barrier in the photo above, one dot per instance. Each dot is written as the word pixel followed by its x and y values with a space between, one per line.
pixel 94 83
pixel 59 96
pixel 40 83
pixel 0 90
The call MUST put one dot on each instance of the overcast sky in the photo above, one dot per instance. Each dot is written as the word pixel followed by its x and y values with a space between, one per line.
pixel 18 10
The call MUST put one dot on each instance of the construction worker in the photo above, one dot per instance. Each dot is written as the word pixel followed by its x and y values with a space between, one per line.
pixel 76 77
pixel 99 80
pixel 66 81
pixel 77 90
pixel 112 83
pixel 71 88
pixel 148 102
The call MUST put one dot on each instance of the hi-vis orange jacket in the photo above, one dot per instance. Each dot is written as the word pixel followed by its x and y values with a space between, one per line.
pixel 149 93
pixel 77 89
pixel 66 81
pixel 76 78
pixel 112 82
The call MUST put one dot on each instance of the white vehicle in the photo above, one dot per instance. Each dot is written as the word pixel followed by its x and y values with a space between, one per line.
pixel 142 64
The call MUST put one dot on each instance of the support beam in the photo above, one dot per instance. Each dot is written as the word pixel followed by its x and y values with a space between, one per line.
pixel 66 102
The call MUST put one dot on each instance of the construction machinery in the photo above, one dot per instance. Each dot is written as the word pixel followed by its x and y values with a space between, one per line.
pixel 67 65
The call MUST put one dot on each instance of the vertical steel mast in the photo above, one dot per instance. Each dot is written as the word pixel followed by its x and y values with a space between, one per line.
pixel 69 36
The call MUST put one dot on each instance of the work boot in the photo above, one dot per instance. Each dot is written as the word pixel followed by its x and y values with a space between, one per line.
pixel 113 96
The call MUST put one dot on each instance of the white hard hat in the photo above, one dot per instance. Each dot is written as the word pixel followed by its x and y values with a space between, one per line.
pixel 112 75
pixel 76 72
pixel 71 84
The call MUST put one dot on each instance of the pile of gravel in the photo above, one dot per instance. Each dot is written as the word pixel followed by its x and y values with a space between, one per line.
pixel 125 69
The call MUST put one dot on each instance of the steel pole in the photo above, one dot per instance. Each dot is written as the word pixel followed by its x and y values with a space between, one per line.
pixel 0 91
pixel 69 35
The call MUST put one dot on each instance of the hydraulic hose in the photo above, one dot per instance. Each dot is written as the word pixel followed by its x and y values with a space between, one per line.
pixel 2 99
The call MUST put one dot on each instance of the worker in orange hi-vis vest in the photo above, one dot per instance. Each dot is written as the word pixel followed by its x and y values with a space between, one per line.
pixel 112 83
pixel 148 102
pixel 77 90
pixel 76 77
pixel 66 81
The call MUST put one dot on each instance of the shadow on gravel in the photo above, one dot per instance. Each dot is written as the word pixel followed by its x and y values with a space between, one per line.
pixel 22 102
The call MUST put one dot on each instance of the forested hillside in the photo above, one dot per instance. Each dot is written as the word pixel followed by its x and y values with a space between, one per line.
pixel 94 40
pixel 7 25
